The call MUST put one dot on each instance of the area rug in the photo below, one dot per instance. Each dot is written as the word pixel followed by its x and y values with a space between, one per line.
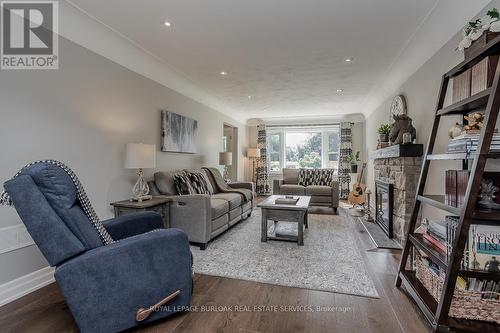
pixel 329 260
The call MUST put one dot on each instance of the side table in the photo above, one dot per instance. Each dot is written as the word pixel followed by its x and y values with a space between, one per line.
pixel 156 204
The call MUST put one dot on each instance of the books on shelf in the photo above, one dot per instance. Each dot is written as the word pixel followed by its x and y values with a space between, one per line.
pixel 456 186
pixel 468 142
pixel 484 247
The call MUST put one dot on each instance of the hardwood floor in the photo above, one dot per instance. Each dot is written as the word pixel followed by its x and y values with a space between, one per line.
pixel 46 311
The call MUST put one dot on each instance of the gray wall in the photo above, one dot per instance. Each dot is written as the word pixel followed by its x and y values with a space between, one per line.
pixel 83 114
pixel 421 92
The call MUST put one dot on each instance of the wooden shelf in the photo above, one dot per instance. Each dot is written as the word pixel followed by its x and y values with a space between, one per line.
pixel 426 303
pixel 480 274
pixel 481 216
pixel 437 311
pixel 469 326
pixel 409 150
pixel 491 48
pixel 437 255
pixel 439 202
pixel 469 104
pixel 460 156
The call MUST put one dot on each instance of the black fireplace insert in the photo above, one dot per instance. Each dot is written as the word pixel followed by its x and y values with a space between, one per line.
pixel 384 204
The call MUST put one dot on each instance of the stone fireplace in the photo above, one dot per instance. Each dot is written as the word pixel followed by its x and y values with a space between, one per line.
pixel 395 165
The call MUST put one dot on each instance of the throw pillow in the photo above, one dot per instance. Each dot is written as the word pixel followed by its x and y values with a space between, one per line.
pixel 199 183
pixel 183 184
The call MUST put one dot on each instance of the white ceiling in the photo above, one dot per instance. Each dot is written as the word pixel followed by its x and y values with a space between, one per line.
pixel 288 55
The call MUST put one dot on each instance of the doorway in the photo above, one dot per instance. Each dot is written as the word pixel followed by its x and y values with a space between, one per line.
pixel 230 144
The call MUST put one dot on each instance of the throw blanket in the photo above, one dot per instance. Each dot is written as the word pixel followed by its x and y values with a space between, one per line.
pixel 81 197
pixel 223 187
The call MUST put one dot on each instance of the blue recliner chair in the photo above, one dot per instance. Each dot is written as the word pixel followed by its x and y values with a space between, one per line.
pixel 111 287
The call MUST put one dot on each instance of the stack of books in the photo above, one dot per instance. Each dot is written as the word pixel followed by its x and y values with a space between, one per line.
pixel 467 143
pixel 455 186
pixel 436 234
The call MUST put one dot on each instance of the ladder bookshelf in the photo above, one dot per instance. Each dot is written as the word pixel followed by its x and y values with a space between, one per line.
pixel 436 312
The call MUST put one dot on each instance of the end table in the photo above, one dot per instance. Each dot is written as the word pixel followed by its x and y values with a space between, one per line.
pixel 156 204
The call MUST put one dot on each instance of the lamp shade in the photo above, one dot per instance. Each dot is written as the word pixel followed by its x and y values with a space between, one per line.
pixel 140 156
pixel 253 152
pixel 225 158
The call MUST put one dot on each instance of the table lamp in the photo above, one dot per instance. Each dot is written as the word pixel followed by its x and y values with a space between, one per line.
pixel 226 159
pixel 140 156
pixel 253 153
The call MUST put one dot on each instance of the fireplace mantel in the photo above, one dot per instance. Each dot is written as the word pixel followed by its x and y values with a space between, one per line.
pixel 410 150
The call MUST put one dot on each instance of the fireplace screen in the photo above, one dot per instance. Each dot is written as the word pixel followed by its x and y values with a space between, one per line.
pixel 384 198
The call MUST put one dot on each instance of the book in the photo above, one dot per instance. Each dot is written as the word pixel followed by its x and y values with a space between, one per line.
pixel 286 201
pixel 450 186
pixel 461 186
pixel 437 243
pixel 484 247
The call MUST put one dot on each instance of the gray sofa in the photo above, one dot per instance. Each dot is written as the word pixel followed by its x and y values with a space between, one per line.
pixel 203 216
pixel 320 195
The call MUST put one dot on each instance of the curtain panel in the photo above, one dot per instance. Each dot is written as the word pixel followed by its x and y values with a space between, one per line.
pixel 344 165
pixel 261 172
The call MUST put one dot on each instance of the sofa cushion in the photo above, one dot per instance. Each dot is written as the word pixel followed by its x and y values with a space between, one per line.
pixel 319 190
pixel 203 172
pixel 292 189
pixel 234 199
pixel 316 177
pixel 164 181
pixel 199 182
pixel 183 184
pixel 219 207
pixel 290 176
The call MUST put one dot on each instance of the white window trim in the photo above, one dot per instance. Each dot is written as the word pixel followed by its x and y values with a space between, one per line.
pixel 283 130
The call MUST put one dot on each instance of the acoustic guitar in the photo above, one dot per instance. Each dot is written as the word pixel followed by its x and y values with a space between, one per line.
pixel 357 195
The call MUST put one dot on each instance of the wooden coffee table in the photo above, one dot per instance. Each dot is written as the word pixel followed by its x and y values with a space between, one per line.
pixel 284 213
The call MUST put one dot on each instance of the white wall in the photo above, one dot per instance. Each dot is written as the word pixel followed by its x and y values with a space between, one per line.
pixel 83 114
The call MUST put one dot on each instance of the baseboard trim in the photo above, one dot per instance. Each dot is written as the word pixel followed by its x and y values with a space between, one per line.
pixel 26 284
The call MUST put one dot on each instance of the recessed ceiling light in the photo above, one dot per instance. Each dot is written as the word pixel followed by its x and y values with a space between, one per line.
pixel 167 24
pixel 348 59
pixel 223 73
pixel 340 90
pixel 249 96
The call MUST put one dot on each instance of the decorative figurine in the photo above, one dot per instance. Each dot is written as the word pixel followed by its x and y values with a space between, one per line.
pixel 488 194
pixel 475 120
pixel 402 124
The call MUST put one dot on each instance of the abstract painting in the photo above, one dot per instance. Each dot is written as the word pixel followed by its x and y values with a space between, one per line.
pixel 179 133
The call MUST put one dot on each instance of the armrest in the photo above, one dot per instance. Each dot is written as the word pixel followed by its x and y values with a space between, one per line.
pixel 105 286
pixel 192 214
pixel 247 185
pixel 133 224
pixel 335 193
pixel 276 186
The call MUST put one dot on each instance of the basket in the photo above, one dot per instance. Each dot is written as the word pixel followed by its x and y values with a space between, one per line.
pixel 466 304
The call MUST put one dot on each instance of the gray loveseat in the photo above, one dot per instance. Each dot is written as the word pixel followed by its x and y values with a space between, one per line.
pixel 321 195
pixel 203 216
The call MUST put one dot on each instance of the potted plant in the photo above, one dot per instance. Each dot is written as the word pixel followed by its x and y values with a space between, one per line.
pixel 383 132
pixel 354 159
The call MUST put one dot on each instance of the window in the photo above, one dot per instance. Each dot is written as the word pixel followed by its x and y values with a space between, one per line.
pixel 303 148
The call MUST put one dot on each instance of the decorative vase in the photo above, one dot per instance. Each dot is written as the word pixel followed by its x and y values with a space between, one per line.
pixel 354 168
pixel 383 138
